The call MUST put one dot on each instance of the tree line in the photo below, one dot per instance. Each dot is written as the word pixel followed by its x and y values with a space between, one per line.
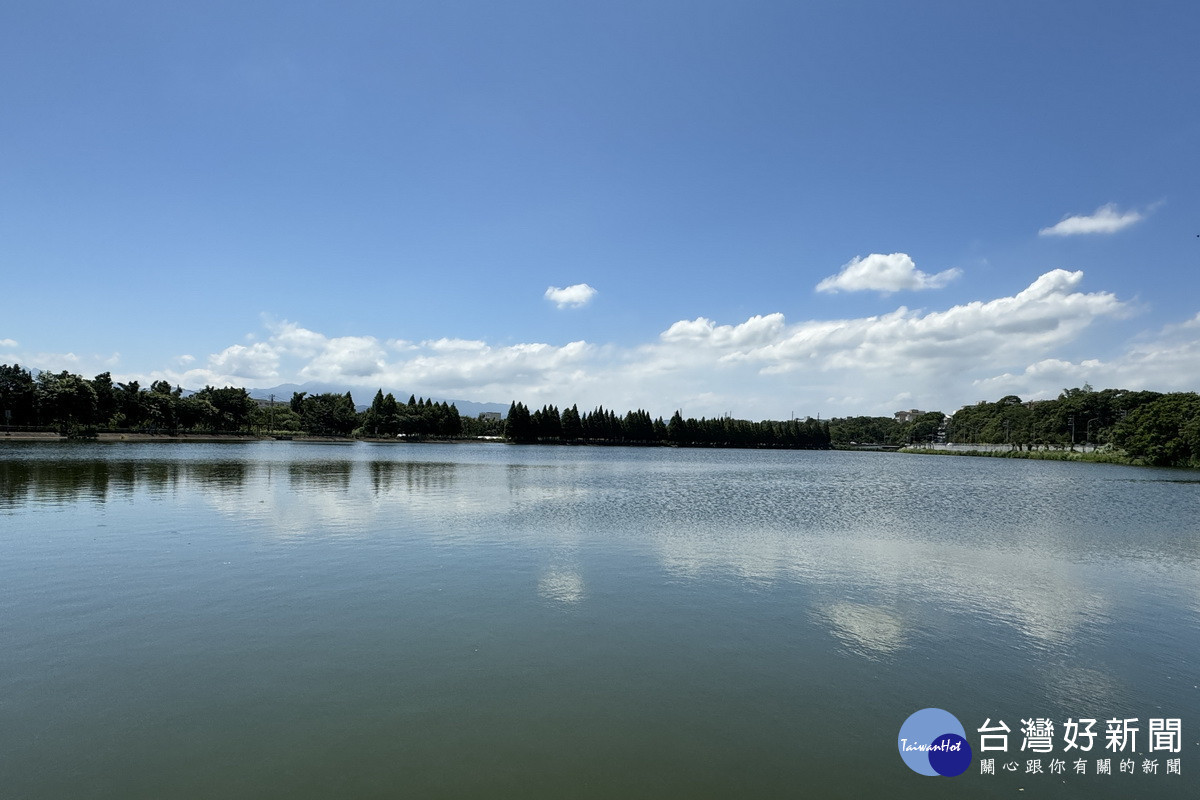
pixel 78 407
pixel 603 426
pixel 885 430
pixel 1148 427
pixel 1151 428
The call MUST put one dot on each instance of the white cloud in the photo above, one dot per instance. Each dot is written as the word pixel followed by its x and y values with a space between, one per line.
pixel 87 365
pixel 928 357
pixel 580 294
pixel 1167 360
pixel 57 362
pixel 452 368
pixel 1046 313
pixel 296 340
pixel 346 358
pixel 455 345
pixel 885 273
pixel 1105 219
pixel 256 362
pixel 755 331
pixel 762 367
pixel 8 342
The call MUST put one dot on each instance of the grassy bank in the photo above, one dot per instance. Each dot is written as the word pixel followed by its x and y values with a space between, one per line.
pixel 1106 457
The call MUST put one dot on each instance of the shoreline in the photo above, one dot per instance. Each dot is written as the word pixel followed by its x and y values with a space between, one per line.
pixel 1078 456
pixel 49 436
pixel 1075 456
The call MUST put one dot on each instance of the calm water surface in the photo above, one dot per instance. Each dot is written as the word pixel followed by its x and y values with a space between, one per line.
pixel 297 620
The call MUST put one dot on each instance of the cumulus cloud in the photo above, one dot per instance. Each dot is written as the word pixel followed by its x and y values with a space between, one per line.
pixel 884 273
pixel 1047 313
pixel 580 294
pixel 762 367
pixel 84 364
pixel 346 358
pixel 259 361
pixel 455 345
pixel 1165 360
pixel 296 340
pixel 1105 219
pixel 758 330
pixel 455 368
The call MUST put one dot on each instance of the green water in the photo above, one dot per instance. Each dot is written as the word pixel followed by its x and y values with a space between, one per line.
pixel 282 619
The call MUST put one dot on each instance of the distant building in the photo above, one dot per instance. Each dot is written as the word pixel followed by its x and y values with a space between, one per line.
pixel 490 416
pixel 905 417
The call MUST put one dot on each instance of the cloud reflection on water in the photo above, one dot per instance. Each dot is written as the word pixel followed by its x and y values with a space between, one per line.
pixel 870 631
pixel 561 586
pixel 1035 592
pixel 695 514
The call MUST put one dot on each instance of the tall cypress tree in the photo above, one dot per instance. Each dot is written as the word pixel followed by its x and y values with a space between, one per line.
pixel 518 427
pixel 572 426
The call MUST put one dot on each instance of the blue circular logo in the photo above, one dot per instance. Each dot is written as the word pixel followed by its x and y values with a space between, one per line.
pixel 934 742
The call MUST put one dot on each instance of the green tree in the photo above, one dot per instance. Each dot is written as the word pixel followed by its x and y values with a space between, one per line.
pixel 131 409
pixel 232 408
pixel 450 424
pixel 572 427
pixel 161 406
pixel 638 427
pixel 389 416
pixel 66 400
pixel 280 419
pixel 17 396
pixel 518 426
pixel 677 429
pixel 106 398
pixel 547 424
pixel 1164 432
pixel 328 414
pixel 867 430
pixel 196 412
pixel 373 419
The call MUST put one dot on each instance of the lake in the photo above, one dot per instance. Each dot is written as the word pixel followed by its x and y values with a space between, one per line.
pixel 289 619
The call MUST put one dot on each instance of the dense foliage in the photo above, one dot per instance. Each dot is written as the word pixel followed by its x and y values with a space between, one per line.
pixel 417 418
pixel 1145 427
pixel 885 430
pixel 1148 427
pixel 1151 427
pixel 75 406
pixel 603 426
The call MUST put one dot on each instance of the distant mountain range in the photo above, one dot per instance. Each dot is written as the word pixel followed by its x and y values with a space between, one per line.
pixel 284 391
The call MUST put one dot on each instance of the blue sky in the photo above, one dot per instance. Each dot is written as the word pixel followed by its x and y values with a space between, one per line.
pixel 755 208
